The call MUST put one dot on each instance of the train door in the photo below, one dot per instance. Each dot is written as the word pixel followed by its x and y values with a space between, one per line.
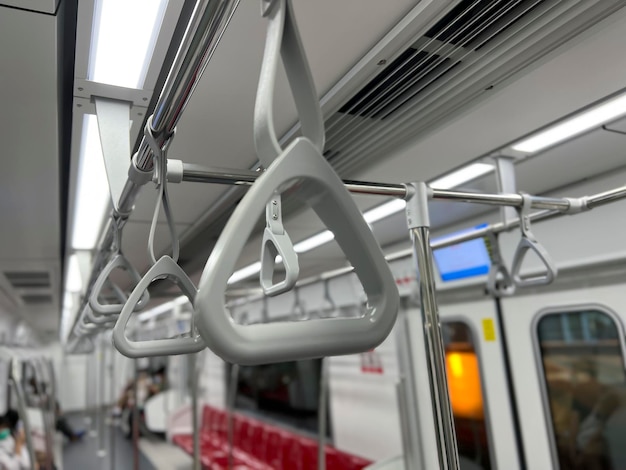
pixel 478 386
pixel 567 361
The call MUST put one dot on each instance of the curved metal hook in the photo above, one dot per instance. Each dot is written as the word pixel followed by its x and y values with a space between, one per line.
pixel 164 268
pixel 527 243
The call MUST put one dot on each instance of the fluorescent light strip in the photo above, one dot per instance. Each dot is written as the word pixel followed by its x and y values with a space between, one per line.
pixel 384 210
pixel 123 39
pixel 73 279
pixel 574 126
pixel 375 214
pixel 92 195
pixel 463 175
pixel 163 308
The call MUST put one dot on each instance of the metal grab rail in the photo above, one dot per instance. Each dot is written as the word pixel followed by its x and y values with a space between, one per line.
pixel 209 20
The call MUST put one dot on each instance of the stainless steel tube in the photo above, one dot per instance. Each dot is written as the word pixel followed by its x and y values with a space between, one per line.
pixel 232 397
pixel 606 197
pixel 200 174
pixel 538 202
pixel 442 410
pixel 194 411
pixel 206 27
pixel 135 418
pixel 322 413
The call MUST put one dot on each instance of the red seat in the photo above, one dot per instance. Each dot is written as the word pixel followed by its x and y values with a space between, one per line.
pixel 291 451
pixel 255 441
pixel 309 454
pixel 273 448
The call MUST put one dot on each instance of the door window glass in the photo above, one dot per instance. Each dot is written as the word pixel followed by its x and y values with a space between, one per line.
pixel 583 367
pixel 466 397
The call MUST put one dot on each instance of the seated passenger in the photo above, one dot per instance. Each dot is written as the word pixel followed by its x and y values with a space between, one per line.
pixel 13 453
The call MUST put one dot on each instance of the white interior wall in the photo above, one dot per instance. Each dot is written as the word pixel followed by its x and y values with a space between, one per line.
pixel 212 380
pixel 365 418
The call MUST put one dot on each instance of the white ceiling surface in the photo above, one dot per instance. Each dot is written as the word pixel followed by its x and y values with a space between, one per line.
pixel 216 127
pixel 29 180
pixel 44 6
pixel 566 82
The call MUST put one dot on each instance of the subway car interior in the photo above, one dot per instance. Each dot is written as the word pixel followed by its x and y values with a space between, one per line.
pixel 441 289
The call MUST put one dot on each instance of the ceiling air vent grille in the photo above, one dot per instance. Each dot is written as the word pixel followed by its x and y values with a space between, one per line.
pixel 473 46
pixel 28 279
pixel 36 299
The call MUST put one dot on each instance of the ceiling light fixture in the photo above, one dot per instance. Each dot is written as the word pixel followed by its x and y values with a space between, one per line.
pixel 92 198
pixel 576 125
pixel 461 176
pixel 73 280
pixel 123 39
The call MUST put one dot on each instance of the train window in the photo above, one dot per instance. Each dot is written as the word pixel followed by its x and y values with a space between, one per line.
pixel 585 387
pixel 466 396
pixel 286 393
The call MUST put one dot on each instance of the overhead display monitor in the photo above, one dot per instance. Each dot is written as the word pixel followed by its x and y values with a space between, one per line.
pixel 467 259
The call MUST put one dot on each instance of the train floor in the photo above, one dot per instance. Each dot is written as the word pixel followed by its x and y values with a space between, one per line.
pixel 154 452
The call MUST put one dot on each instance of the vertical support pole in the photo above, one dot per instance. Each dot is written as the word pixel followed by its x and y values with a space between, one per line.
pixel 505 176
pixel 322 414
pixel 52 404
pixel 102 452
pixel 46 410
pixel 419 225
pixel 404 424
pixel 194 410
pixel 408 399
pixel 89 393
pixel 232 395
pixel 135 420
pixel 113 393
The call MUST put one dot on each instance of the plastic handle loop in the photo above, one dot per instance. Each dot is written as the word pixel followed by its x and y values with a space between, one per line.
pixel 164 268
pixel 118 261
pixel 527 243
pixel 283 40
pixel 286 341
pixel 276 242
pixel 499 281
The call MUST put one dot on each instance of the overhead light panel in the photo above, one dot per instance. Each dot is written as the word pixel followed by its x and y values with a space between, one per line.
pixel 73 280
pixel 384 210
pixel 462 175
pixel 245 273
pixel 316 240
pixel 92 197
pixel 576 125
pixel 123 39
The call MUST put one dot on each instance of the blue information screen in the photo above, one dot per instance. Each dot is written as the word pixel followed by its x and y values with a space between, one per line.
pixel 463 260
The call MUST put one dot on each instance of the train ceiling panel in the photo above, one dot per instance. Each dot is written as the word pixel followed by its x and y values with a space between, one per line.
pixel 41 6
pixel 29 180
pixel 562 83
pixel 473 48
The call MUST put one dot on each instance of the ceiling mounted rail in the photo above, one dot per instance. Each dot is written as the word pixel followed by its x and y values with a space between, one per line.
pixel 208 22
